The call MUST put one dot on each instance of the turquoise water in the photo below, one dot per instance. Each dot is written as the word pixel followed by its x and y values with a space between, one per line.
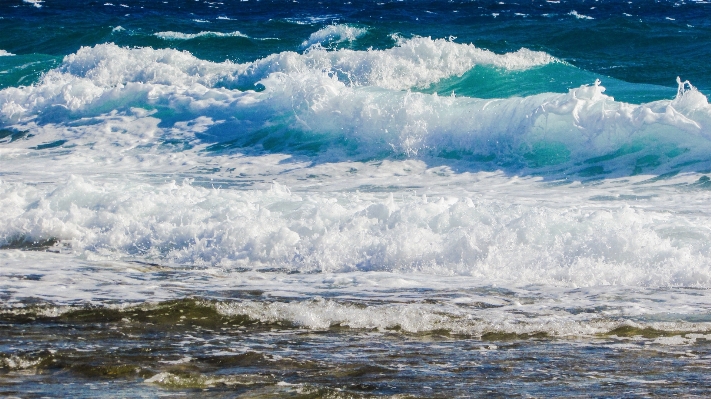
pixel 355 199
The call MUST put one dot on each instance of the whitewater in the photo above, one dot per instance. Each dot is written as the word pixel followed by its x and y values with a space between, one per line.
pixel 351 185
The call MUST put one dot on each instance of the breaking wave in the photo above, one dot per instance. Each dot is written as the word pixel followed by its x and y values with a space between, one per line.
pixel 489 239
pixel 358 104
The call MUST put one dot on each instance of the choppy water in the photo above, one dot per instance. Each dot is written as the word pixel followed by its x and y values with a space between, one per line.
pixel 355 199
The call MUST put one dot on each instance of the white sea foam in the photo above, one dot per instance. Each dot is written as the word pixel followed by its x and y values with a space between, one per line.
pixel 487 239
pixel 110 70
pixel 579 16
pixel 322 314
pixel 333 34
pixel 88 81
pixel 416 62
pixel 170 35
pixel 4 53
pixel 36 3
pixel 15 362
pixel 311 20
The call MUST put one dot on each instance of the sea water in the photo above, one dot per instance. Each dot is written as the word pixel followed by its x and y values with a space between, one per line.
pixel 355 199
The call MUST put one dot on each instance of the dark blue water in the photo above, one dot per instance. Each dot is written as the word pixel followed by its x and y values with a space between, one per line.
pixel 637 42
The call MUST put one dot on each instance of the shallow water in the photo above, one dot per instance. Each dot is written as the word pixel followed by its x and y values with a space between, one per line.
pixel 398 199
pixel 177 348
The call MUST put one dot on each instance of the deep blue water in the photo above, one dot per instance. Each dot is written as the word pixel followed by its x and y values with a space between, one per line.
pixel 645 42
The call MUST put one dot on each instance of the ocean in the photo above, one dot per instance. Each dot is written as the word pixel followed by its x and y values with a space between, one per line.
pixel 355 199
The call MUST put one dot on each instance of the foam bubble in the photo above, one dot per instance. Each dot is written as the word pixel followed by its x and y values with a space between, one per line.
pixel 4 53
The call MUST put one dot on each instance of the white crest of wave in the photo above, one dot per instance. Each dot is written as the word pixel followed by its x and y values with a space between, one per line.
pixel 170 35
pixel 416 62
pixel 116 73
pixel 337 33
pixel 36 3
pixel 321 314
pixel 350 94
pixel 108 73
pixel 4 53
pixel 487 239
pixel 579 16
pixel 584 121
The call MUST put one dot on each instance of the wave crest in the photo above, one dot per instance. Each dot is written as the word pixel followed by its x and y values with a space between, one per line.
pixel 351 104
pixel 334 34
pixel 110 70
pixel 170 35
